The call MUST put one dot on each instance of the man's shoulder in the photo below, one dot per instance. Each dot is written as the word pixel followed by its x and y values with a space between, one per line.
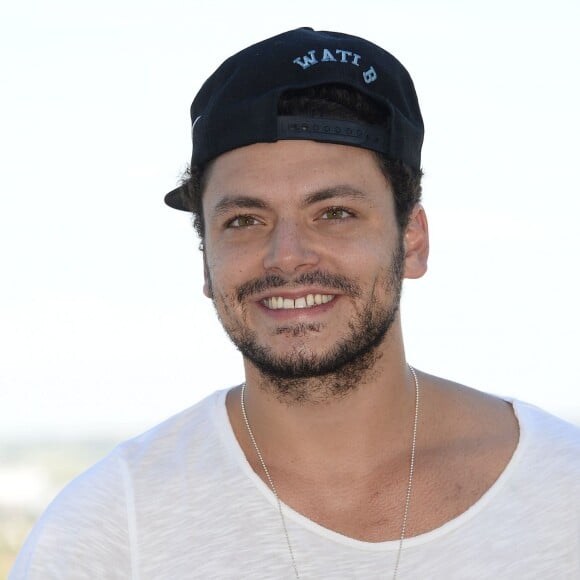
pixel 487 412
pixel 547 435
pixel 497 431
pixel 188 428
pixel 94 508
pixel 156 449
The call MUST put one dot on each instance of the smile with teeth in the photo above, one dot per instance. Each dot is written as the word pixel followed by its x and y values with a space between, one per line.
pixel 308 301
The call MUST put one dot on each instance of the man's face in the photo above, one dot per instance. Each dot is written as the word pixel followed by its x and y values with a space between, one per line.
pixel 304 259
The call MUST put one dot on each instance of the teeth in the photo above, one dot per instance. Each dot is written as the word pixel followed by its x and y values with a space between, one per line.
pixel 300 303
pixel 278 303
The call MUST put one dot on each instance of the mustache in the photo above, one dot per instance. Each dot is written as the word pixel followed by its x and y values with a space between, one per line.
pixel 318 278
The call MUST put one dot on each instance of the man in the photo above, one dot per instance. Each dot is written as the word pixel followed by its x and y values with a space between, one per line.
pixel 334 458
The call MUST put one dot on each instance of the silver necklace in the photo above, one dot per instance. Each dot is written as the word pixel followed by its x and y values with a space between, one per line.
pixel 279 502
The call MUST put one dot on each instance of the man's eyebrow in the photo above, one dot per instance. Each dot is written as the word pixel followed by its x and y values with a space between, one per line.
pixel 228 204
pixel 340 191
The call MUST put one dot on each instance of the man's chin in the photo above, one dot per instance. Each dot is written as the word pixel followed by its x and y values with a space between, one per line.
pixel 306 361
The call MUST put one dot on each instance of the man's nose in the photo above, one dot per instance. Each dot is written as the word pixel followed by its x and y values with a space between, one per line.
pixel 291 248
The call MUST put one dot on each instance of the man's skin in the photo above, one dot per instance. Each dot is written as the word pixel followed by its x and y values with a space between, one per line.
pixel 342 460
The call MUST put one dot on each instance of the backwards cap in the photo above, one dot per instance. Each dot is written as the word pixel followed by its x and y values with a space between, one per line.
pixel 238 104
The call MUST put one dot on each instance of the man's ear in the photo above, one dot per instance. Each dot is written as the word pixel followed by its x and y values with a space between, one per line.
pixel 416 243
pixel 207 288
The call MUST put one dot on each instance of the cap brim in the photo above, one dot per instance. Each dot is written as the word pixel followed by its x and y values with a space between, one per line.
pixel 173 199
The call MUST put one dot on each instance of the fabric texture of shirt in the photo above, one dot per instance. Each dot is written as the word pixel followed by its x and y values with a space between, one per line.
pixel 182 502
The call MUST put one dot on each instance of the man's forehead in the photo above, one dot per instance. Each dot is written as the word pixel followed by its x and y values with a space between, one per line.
pixel 300 168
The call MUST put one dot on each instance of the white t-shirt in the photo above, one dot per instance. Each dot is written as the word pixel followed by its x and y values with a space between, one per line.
pixel 181 502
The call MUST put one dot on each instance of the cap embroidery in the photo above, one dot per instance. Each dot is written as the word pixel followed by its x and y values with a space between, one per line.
pixel 370 75
pixel 340 55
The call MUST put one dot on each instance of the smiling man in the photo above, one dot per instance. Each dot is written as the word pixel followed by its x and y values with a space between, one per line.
pixel 305 261
pixel 334 458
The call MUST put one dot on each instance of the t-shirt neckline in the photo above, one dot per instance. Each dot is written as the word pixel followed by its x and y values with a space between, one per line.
pixel 227 433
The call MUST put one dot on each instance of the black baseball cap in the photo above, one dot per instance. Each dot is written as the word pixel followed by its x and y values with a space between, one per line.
pixel 238 104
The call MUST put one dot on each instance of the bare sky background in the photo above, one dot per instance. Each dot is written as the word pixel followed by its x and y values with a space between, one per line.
pixel 103 326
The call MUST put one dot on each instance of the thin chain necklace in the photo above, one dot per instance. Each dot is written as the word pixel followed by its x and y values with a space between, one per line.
pixel 279 502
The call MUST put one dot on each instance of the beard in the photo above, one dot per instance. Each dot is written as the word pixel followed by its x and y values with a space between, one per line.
pixel 306 376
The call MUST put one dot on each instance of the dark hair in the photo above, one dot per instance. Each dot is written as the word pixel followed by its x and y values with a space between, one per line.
pixel 333 102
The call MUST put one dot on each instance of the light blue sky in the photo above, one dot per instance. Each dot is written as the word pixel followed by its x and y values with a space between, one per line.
pixel 103 326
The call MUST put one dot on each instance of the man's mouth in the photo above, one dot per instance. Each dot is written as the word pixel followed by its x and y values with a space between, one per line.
pixel 308 301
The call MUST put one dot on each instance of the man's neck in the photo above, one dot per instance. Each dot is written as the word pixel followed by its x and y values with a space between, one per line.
pixel 330 431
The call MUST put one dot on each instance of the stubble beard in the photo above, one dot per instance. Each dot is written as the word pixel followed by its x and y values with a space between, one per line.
pixel 303 376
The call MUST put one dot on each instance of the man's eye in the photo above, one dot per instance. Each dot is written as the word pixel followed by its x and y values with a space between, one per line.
pixel 242 221
pixel 336 213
